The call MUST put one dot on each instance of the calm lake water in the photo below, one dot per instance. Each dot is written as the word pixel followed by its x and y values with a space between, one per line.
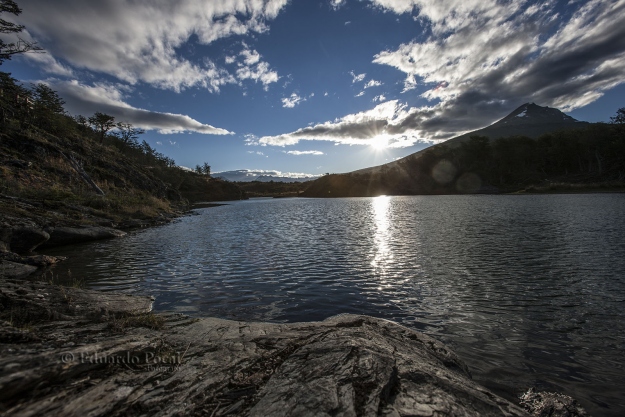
pixel 528 290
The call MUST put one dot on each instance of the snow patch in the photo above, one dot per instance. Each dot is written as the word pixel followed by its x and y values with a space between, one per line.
pixel 522 114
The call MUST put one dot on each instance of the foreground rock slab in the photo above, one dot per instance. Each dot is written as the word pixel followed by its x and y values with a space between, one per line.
pixel 142 364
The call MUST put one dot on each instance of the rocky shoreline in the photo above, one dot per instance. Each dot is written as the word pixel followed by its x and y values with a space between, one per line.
pixel 74 352
pixel 34 225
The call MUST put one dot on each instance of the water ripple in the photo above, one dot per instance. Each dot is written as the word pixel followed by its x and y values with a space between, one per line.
pixel 529 290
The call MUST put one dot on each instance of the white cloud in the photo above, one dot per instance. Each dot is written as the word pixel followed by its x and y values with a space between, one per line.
pixel 502 51
pixel 292 101
pixel 373 83
pixel 252 68
pixel 336 4
pixel 357 77
pixel 106 98
pixel 298 153
pixel 250 57
pixel 363 128
pixel 379 98
pixel 259 72
pixel 362 93
pixel 252 174
pixel 49 64
pixel 46 61
pixel 112 37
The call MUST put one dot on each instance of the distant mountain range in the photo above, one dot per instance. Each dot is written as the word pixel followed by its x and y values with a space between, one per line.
pixel 530 120
pixel 247 175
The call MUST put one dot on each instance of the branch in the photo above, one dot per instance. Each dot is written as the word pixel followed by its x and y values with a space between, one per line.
pixel 22 46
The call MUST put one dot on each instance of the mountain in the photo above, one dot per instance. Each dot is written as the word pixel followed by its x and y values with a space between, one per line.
pixel 247 175
pixel 529 120
pixel 533 145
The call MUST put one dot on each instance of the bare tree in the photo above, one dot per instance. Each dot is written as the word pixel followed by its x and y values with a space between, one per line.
pixel 128 134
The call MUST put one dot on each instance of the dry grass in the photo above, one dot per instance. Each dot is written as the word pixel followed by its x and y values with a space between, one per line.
pixel 148 320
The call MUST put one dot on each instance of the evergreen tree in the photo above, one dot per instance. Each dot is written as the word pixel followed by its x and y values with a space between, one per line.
pixel 47 107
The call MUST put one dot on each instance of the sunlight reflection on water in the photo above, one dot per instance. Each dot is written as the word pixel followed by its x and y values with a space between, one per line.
pixel 382 253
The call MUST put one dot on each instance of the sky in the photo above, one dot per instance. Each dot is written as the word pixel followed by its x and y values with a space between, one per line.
pixel 310 87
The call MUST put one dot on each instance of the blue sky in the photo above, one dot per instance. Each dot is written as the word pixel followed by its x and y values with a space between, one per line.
pixel 312 87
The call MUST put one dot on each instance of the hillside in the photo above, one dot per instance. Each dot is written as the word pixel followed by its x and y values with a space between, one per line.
pixel 533 146
pixel 528 120
pixel 57 171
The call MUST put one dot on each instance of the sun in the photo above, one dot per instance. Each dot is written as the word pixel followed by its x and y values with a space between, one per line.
pixel 379 142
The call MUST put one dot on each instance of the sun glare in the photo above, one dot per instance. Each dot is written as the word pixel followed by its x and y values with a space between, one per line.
pixel 379 142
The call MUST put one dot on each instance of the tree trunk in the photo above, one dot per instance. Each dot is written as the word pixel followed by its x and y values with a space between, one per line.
pixel 85 177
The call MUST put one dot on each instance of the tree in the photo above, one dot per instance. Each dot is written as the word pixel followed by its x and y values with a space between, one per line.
pixel 128 134
pixel 102 123
pixel 619 117
pixel 203 169
pixel 206 169
pixel 20 45
pixel 47 98
pixel 14 98
pixel 47 106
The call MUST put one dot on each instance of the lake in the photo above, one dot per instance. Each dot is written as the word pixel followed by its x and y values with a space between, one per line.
pixel 528 289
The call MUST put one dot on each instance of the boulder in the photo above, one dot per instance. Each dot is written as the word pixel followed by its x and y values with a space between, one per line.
pixel 10 269
pixel 70 235
pixel 5 239
pixel 26 239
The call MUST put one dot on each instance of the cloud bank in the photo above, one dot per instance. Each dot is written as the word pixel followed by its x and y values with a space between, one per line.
pixel 138 41
pixel 385 120
pixel 298 153
pixel 109 99
pixel 481 59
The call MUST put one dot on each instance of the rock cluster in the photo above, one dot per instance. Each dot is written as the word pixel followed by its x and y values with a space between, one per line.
pixel 21 235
